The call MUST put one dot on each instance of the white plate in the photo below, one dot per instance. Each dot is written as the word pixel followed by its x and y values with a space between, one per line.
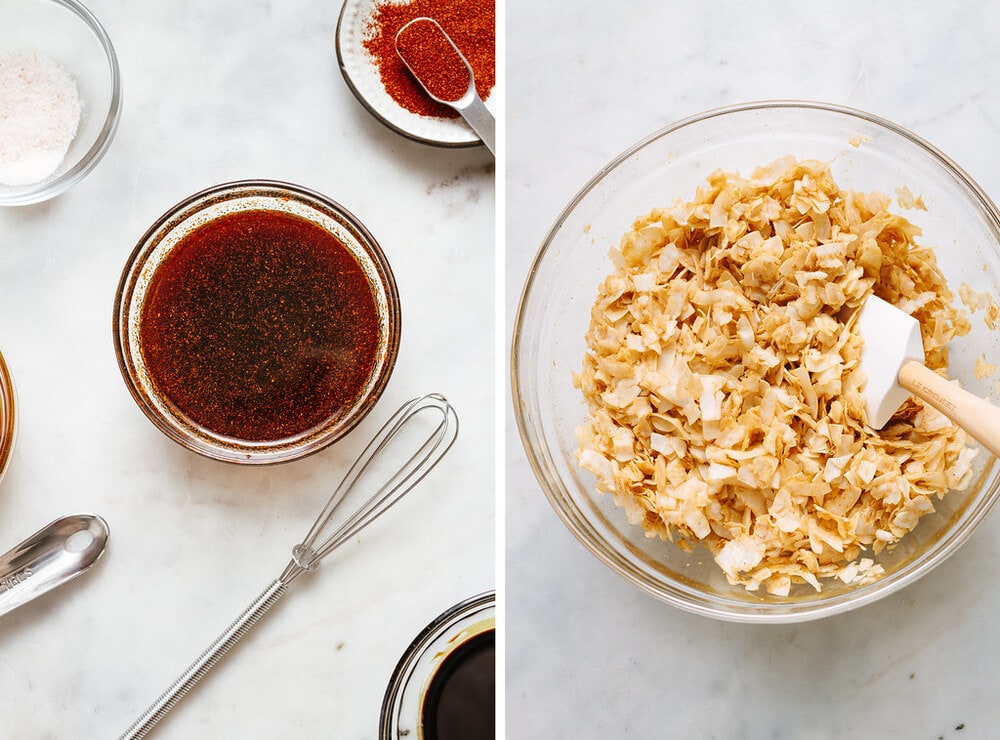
pixel 362 77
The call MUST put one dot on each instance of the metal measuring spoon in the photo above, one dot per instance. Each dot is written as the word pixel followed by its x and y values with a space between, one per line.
pixel 427 35
pixel 58 552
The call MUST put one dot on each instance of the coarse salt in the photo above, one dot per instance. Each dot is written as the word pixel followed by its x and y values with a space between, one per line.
pixel 39 115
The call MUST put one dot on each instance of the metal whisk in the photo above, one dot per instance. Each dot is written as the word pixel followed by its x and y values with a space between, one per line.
pixel 307 555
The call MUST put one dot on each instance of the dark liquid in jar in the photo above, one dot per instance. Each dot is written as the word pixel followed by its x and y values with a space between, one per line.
pixel 460 703
pixel 260 325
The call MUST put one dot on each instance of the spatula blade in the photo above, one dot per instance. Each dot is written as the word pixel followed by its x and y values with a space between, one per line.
pixel 891 338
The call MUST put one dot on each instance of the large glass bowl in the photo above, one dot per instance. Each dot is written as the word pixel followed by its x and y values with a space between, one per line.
pixel 156 246
pixel 69 34
pixel 867 154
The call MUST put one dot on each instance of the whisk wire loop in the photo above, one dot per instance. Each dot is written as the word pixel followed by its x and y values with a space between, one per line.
pixel 307 555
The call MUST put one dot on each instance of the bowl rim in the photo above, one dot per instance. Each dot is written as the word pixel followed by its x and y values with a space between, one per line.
pixel 273 452
pixel 769 612
pixel 39 192
pixel 8 416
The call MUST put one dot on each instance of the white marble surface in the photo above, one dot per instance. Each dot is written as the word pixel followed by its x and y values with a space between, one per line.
pixel 215 92
pixel 588 655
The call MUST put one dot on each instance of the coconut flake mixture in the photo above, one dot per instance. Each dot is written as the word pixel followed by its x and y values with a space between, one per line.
pixel 723 382
pixel 39 115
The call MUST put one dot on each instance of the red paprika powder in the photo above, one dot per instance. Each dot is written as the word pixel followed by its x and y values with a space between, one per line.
pixel 433 60
pixel 471 25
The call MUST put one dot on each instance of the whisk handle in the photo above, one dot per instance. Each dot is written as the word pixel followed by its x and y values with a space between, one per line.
pixel 206 661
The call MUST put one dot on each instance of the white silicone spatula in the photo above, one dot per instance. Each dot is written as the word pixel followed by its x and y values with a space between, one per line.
pixel 893 361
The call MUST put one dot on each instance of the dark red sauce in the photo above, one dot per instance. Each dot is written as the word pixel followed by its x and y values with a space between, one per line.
pixel 260 325
pixel 460 702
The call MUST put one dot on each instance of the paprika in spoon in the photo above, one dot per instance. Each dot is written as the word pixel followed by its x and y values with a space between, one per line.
pixel 438 65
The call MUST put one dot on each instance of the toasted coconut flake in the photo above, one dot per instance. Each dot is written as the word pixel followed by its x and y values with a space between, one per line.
pixel 906 199
pixel 724 385
pixel 976 301
pixel 984 369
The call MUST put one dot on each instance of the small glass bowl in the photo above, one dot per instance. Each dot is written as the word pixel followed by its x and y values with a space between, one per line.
pixel 866 153
pixel 69 34
pixel 196 211
pixel 8 416
pixel 402 706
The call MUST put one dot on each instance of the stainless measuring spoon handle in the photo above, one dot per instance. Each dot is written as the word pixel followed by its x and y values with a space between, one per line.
pixel 206 661
pixel 55 554
pixel 479 118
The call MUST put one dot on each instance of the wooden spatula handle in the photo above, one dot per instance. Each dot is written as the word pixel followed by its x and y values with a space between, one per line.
pixel 975 415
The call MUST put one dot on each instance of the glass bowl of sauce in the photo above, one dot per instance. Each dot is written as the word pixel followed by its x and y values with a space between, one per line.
pixel 8 418
pixel 444 686
pixel 256 322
